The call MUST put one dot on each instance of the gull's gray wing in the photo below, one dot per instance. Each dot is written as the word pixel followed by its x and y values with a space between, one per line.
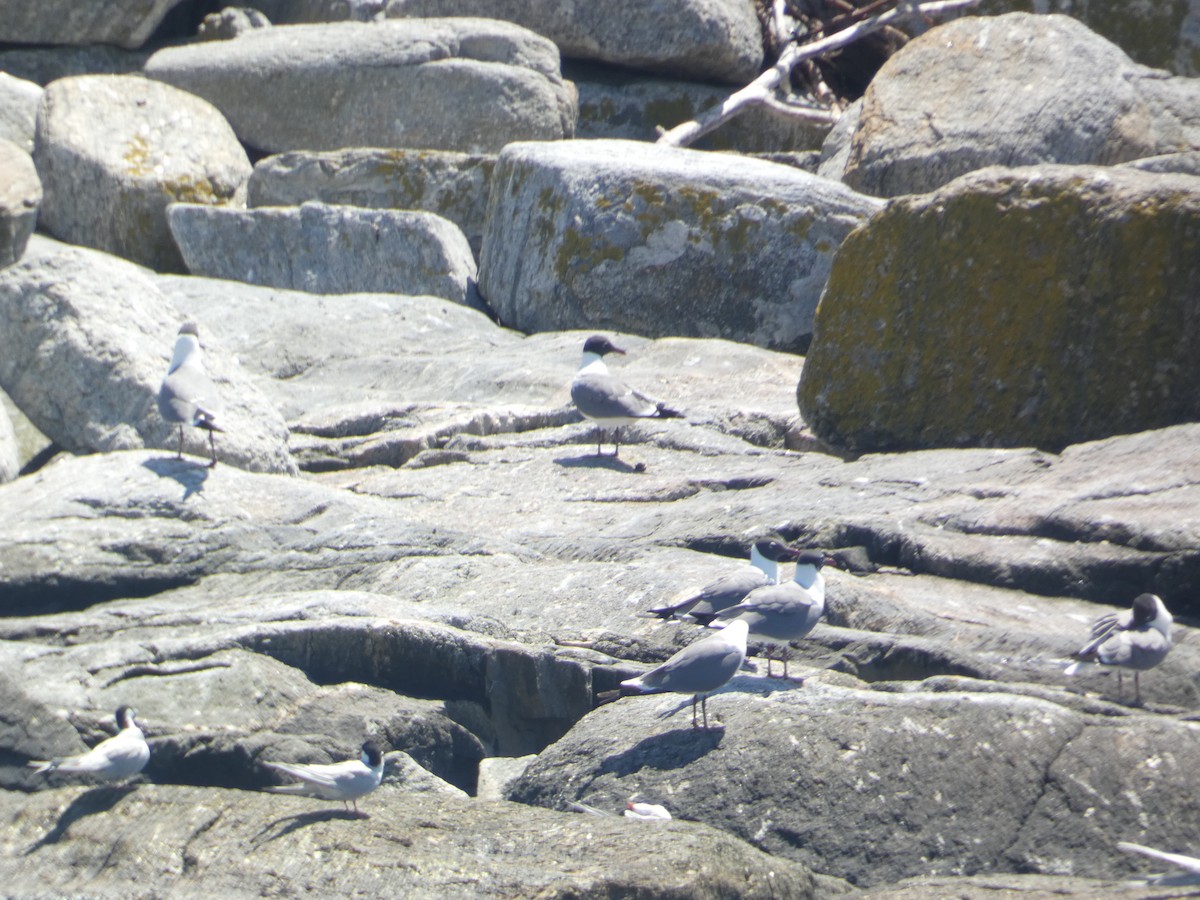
pixel 605 397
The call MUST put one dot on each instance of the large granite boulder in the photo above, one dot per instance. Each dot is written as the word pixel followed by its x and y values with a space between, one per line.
pixel 1012 90
pixel 20 197
pixel 44 64
pixel 326 249
pixel 471 85
pixel 126 23
pixel 927 778
pixel 1047 305
pixel 85 340
pixel 452 185
pixel 705 40
pixel 113 150
pixel 301 12
pixel 19 101
pixel 10 461
pixel 661 241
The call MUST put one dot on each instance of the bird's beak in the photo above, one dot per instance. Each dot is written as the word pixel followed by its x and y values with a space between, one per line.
pixel 618 350
pixel 831 561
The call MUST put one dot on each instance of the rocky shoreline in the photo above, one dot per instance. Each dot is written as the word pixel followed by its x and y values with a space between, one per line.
pixel 409 537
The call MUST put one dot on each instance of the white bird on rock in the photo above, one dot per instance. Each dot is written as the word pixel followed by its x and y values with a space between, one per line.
pixel 728 590
pixel 345 781
pixel 1138 639
pixel 607 400
pixel 119 757
pixel 187 395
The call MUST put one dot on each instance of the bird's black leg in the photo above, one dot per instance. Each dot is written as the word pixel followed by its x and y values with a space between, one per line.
pixel 616 442
pixel 179 453
pixel 1137 688
pixel 599 439
pixel 695 697
pixel 212 445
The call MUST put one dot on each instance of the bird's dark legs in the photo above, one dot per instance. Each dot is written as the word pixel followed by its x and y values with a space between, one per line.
pixel 1137 688
pixel 179 453
pixel 616 442
pixel 695 697
pixel 212 445
pixel 599 440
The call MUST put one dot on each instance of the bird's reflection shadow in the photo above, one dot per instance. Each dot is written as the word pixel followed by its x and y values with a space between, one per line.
pixel 288 824
pixel 592 461
pixel 668 750
pixel 188 473
pixel 97 800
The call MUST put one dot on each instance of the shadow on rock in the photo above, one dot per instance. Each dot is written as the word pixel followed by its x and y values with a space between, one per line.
pixel 191 475
pixel 669 750
pixel 97 800
pixel 303 820
pixel 591 461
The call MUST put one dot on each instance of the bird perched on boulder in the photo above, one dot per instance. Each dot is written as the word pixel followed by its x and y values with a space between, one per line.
pixel 765 557
pixel 607 400
pixel 698 669
pixel 345 781
pixel 119 757
pixel 1137 639
pixel 780 613
pixel 187 395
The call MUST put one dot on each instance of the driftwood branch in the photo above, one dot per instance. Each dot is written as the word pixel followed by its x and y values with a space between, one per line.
pixel 762 90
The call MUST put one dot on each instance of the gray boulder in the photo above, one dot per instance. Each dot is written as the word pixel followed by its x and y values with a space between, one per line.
pixel 470 85
pixel 20 197
pixel 452 185
pixel 42 65
pixel 301 12
pixel 1012 90
pixel 931 778
pixel 18 110
pixel 85 358
pixel 231 22
pixel 1004 344
pixel 126 23
pixel 623 235
pixel 10 461
pixel 707 40
pixel 113 151
pixel 326 249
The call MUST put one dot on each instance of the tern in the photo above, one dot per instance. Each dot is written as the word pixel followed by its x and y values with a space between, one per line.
pixel 607 400
pixel 187 395
pixel 345 781
pixel 698 669
pixel 119 757
pixel 781 613
pixel 1137 639
pixel 728 590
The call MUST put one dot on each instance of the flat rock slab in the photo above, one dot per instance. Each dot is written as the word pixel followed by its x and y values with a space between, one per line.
pixel 323 249
pixel 924 338
pixel 452 185
pixel 241 844
pixel 471 85
pixel 113 150
pixel 661 241
pixel 126 23
pixel 951 780
pixel 707 40
pixel 20 197
pixel 1012 90
pixel 85 340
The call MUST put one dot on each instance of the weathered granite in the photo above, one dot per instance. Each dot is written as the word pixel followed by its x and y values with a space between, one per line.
pixel 20 197
pixel 126 23
pixel 18 110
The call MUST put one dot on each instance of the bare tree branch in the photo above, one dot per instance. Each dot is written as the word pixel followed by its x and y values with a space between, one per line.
pixel 762 90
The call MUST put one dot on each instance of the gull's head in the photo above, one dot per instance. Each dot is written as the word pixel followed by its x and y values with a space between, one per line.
pixel 372 754
pixel 775 550
pixel 1150 612
pixel 126 717
pixel 599 345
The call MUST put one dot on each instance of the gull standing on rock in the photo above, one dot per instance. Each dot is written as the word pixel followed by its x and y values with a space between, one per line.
pixel 119 757
pixel 698 669
pixel 187 395
pixel 345 781
pixel 781 613
pixel 765 557
pixel 608 401
pixel 1137 639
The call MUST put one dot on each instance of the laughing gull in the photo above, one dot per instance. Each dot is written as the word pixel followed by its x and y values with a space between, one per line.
pixel 345 781
pixel 765 557
pixel 1137 639
pixel 698 669
pixel 608 401
pixel 781 613
pixel 119 757
pixel 187 395
pixel 646 812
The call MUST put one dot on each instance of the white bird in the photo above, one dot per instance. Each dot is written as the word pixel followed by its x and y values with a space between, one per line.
pixel 1138 639
pixel 119 757
pixel 607 400
pixel 187 395
pixel 698 669
pixel 1189 864
pixel 728 590
pixel 646 812
pixel 345 781
pixel 781 613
